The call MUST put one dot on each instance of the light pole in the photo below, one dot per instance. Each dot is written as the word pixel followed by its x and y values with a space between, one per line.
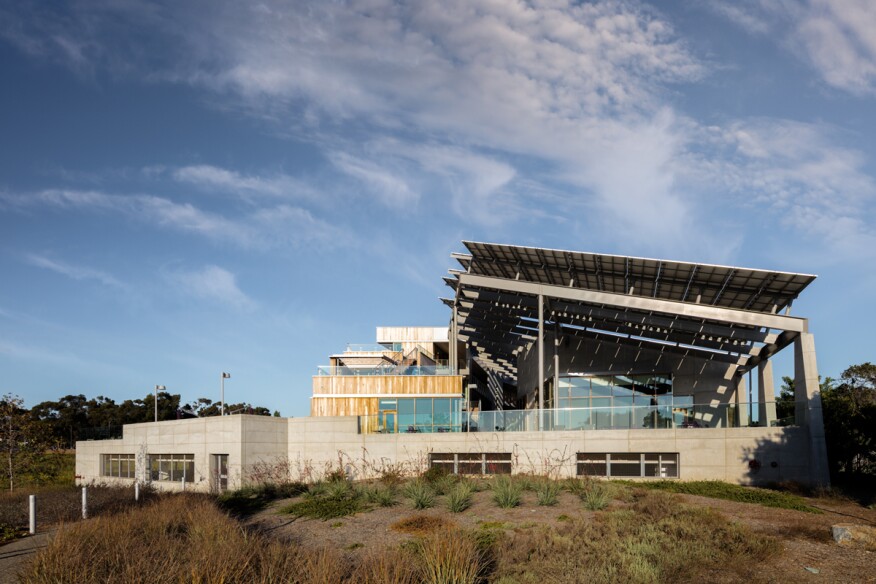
pixel 157 389
pixel 222 390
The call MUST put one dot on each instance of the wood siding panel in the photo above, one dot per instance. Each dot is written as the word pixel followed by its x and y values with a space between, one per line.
pixel 411 334
pixel 387 385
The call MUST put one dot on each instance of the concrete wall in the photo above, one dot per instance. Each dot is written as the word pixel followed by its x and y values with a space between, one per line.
pixel 308 448
pixel 265 439
pixel 318 445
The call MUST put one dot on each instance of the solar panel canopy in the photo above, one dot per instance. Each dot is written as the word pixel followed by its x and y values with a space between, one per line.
pixel 497 323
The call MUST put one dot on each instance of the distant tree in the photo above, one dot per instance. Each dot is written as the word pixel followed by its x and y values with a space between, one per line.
pixel 850 421
pixel 785 407
pixel 24 440
pixel 63 418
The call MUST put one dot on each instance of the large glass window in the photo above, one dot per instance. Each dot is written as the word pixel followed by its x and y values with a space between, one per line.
pixel 118 465
pixel 425 414
pixel 172 467
pixel 617 401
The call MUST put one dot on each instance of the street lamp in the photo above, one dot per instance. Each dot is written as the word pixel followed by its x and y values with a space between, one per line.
pixel 157 389
pixel 222 392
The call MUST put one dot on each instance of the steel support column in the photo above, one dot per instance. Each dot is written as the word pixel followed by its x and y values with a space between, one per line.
pixel 540 355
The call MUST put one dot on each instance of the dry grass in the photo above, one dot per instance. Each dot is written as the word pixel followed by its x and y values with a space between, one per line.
pixel 57 504
pixel 422 524
pixel 655 539
pixel 186 538
pixel 180 538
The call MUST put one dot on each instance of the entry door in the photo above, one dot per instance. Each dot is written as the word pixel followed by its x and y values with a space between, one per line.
pixel 389 421
pixel 219 464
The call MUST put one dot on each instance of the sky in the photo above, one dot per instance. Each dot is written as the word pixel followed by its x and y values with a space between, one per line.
pixel 188 188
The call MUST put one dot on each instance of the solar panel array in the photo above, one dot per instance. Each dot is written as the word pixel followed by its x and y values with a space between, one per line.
pixel 498 324
pixel 729 287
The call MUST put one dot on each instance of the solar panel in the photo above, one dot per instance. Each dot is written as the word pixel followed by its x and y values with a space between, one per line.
pixel 724 286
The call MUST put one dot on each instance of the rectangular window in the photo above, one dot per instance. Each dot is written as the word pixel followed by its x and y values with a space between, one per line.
pixel 628 464
pixel 472 463
pixel 118 465
pixel 172 467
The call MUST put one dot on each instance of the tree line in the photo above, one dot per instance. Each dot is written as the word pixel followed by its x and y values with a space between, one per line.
pixel 30 437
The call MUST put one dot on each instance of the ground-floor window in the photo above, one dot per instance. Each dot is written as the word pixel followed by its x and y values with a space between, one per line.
pixel 628 464
pixel 118 465
pixel 472 463
pixel 172 467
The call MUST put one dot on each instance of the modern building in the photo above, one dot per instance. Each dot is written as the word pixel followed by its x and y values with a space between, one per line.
pixel 557 362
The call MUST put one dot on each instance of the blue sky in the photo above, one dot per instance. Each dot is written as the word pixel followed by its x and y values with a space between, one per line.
pixel 192 187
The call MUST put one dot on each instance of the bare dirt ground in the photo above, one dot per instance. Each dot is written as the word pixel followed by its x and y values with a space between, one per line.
pixel 805 537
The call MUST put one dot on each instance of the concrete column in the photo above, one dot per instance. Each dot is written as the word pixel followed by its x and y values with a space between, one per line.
pixel 452 349
pixel 766 393
pixel 740 420
pixel 540 360
pixel 807 396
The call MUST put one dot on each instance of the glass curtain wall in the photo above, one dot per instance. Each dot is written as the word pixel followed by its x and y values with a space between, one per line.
pixel 423 414
pixel 619 401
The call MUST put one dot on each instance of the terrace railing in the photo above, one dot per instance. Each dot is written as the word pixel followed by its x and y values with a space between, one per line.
pixel 388 369
pixel 598 418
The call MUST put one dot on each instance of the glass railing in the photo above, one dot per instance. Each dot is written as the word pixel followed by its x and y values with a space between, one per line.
pixel 387 369
pixel 373 348
pixel 752 415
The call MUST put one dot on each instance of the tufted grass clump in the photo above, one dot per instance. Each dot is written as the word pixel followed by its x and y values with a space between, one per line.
pixel 547 492
pixel 379 494
pixel 459 497
pixel 506 492
pixel 595 497
pixel 420 493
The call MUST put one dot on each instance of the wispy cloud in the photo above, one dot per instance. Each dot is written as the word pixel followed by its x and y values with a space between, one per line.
pixel 263 228
pixel 213 284
pixel 246 186
pixel 836 37
pixel 800 174
pixel 392 190
pixel 73 271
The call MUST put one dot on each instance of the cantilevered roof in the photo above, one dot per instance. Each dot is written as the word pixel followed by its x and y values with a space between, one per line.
pixel 725 286
pixel 618 298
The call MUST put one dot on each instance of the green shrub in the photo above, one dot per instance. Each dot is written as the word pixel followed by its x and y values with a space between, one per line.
pixel 506 492
pixel 378 494
pixel 547 492
pixel 595 497
pixel 459 497
pixel 443 485
pixel 730 492
pixel 434 473
pixel 325 507
pixel 420 493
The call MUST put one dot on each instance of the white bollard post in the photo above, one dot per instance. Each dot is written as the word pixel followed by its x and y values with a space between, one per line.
pixel 85 502
pixel 31 503
pixel 183 481
pixel 136 491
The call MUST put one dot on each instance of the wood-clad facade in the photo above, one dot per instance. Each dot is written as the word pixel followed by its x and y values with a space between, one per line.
pixel 358 395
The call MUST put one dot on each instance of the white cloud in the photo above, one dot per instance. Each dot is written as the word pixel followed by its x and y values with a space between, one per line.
pixel 389 188
pixel 490 96
pixel 213 284
pixel 798 173
pixel 550 81
pixel 213 177
pixel 263 228
pixel 73 271
pixel 836 37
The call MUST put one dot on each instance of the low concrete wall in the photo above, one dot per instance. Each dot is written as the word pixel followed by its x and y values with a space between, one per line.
pixel 308 448
pixel 318 445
